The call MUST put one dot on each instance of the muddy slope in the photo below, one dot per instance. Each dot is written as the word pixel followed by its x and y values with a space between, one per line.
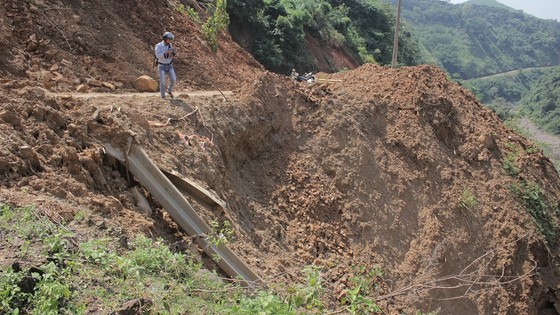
pixel 397 169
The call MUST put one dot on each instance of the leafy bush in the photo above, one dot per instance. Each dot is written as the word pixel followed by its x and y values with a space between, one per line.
pixel 216 23
pixel 545 213
pixel 364 284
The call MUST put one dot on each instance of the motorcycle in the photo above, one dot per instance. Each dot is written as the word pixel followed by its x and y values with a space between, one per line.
pixel 308 77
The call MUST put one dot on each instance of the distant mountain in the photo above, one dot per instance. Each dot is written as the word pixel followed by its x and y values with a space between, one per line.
pixel 481 37
pixel 490 3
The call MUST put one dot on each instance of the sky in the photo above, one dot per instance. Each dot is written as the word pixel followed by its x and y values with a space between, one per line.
pixel 546 9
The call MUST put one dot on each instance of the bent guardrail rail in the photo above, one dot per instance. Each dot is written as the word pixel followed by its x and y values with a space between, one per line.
pixel 151 177
pixel 195 191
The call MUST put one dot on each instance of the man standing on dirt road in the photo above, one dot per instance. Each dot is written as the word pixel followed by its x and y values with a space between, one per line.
pixel 164 55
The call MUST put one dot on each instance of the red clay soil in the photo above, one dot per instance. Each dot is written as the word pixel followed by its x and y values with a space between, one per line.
pixel 399 169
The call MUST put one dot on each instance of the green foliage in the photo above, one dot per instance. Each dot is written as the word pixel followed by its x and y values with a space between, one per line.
pixel 99 276
pixel 475 40
pixel 510 162
pixel 12 298
pixel 27 228
pixel 182 9
pixel 375 22
pixel 300 299
pixel 193 15
pixel 364 284
pixel 545 214
pixel 281 29
pixel 510 87
pixel 263 303
pixel 509 165
pixel 216 23
pixel 503 109
pixel 52 292
pixel 468 200
pixel 221 233
pixel 543 101
pixel 309 295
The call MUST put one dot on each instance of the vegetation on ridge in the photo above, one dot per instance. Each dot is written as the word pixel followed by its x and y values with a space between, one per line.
pixel 275 32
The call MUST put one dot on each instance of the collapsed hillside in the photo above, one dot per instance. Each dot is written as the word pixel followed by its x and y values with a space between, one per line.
pixel 372 171
pixel 61 44
pixel 398 169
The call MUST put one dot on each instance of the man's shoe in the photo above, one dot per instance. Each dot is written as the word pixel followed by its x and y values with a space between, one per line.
pixel 171 94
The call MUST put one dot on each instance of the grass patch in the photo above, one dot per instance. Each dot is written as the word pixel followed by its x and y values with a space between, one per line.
pixel 99 275
pixel 510 162
pixel 467 201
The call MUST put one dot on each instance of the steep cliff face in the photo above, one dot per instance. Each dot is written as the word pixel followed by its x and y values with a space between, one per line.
pixel 395 169
pixel 322 57
pixel 330 59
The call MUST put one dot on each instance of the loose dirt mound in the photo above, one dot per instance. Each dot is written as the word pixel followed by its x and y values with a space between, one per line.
pixel 61 44
pixel 397 169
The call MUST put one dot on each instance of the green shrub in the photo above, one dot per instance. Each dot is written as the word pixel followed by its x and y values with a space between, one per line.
pixel 468 201
pixel 544 213
pixel 215 24
pixel 363 286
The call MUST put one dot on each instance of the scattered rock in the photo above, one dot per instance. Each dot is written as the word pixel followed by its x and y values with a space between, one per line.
pixel 132 307
pixel 139 119
pixel 110 86
pixel 82 88
pixel 94 82
pixel 66 62
pixel 487 140
pixel 31 46
pixel 145 84
pixel 45 76
pixel 50 54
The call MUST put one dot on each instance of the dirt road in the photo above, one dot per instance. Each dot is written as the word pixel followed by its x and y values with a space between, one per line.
pixel 137 94
pixel 551 142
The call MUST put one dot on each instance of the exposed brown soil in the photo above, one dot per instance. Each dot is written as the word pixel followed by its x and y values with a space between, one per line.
pixel 369 169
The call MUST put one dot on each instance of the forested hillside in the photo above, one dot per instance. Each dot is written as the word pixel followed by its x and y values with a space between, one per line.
pixel 510 86
pixel 481 38
pixel 310 34
pixel 543 102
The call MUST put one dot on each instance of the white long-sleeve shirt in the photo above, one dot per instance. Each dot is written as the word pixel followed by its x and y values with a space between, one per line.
pixel 161 53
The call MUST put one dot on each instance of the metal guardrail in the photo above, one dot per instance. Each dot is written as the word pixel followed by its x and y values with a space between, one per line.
pixel 197 193
pixel 163 190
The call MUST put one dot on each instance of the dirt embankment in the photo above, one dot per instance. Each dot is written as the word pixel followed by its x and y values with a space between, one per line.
pixel 372 170
pixel 392 168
